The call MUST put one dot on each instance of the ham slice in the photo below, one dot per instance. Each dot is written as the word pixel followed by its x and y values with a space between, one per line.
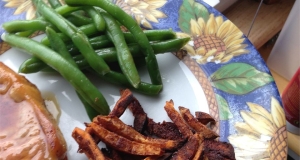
pixel 27 129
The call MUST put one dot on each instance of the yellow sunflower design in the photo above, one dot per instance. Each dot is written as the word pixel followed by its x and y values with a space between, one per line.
pixel 262 135
pixel 213 38
pixel 144 11
pixel 23 6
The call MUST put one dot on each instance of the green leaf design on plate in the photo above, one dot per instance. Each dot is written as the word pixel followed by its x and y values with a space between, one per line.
pixel 191 10
pixel 224 111
pixel 239 78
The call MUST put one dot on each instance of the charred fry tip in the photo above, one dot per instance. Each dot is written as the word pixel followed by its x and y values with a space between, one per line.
pixel 178 120
pixel 121 105
pixel 86 144
pixel 123 144
pixel 170 101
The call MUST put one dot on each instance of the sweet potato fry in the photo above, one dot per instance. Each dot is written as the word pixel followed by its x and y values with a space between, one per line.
pixel 215 149
pixel 163 157
pixel 187 137
pixel 87 145
pixel 121 105
pixel 200 148
pixel 189 149
pixel 89 130
pixel 140 117
pixel 123 144
pixel 165 130
pixel 177 119
pixel 114 124
pixel 197 126
pixel 112 153
pixel 204 118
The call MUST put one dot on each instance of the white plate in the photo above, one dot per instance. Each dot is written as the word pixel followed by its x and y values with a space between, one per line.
pixel 179 85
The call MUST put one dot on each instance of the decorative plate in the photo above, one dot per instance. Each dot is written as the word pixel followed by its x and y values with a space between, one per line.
pixel 220 67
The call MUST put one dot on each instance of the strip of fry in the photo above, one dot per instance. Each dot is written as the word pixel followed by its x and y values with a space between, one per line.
pixel 121 105
pixel 216 149
pixel 200 148
pixel 87 144
pixel 177 119
pixel 89 130
pixel 140 117
pixel 163 157
pixel 165 130
pixel 189 149
pixel 197 126
pixel 204 118
pixel 114 124
pixel 123 144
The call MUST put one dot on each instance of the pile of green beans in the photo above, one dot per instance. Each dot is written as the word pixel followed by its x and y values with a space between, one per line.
pixel 86 36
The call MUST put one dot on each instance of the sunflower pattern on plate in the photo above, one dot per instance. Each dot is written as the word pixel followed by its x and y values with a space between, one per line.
pixel 214 40
pixel 23 6
pixel 262 134
pixel 144 11
pixel 217 42
pixel 241 92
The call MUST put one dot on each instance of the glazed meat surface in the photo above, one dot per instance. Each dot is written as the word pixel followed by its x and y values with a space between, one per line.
pixel 27 129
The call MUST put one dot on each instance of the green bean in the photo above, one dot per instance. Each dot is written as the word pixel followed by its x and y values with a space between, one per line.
pixel 32 65
pixel 97 18
pixel 25 25
pixel 75 77
pixel 66 10
pixel 25 33
pixel 59 46
pixel 108 54
pixel 152 35
pixel 124 56
pixel 28 67
pixel 54 3
pixel 79 20
pixel 120 79
pixel 133 27
pixel 77 36
pixel 91 112
pixel 96 45
pixel 62 10
pixel 88 30
pixel 103 41
pixel 73 17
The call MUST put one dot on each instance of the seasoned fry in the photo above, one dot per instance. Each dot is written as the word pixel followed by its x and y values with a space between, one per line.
pixel 115 155
pixel 123 144
pixel 122 103
pixel 89 130
pixel 86 144
pixel 200 148
pixel 197 126
pixel 140 117
pixel 216 150
pixel 165 130
pixel 177 119
pixel 204 118
pixel 184 138
pixel 112 153
pixel 114 124
pixel 189 149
